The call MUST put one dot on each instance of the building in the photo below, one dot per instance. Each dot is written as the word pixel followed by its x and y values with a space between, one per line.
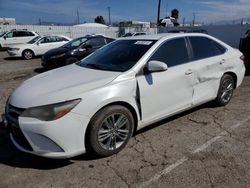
pixel 7 21
pixel 137 24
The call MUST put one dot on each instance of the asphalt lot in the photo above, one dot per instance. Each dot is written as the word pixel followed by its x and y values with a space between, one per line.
pixel 205 147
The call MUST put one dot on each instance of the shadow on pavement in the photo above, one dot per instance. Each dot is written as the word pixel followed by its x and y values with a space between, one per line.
pixel 167 120
pixel 19 58
pixel 40 70
pixel 10 156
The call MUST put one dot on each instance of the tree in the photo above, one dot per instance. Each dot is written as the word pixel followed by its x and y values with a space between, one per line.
pixel 175 14
pixel 99 19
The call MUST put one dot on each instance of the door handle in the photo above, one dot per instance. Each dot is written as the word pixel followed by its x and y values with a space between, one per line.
pixel 188 72
pixel 222 61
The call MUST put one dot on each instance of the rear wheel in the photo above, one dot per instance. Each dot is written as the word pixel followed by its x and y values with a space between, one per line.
pixel 28 54
pixel 71 60
pixel 226 89
pixel 109 130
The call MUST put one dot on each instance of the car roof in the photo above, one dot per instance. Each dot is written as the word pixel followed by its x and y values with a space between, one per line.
pixel 162 36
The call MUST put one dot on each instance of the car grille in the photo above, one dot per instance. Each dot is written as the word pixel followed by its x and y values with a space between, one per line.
pixel 12 115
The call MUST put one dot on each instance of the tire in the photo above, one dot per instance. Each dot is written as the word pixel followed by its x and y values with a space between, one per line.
pixel 71 60
pixel 103 137
pixel 225 91
pixel 28 54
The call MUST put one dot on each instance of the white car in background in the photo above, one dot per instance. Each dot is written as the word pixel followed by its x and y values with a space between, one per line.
pixel 132 34
pixel 97 104
pixel 37 46
pixel 16 37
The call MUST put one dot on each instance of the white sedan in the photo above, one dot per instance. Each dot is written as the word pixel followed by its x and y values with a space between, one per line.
pixel 37 46
pixel 97 104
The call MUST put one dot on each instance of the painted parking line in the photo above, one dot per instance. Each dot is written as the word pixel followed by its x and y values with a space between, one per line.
pixel 197 150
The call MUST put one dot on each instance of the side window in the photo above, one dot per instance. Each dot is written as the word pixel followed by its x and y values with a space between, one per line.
pixel 30 34
pixel 60 39
pixel 20 34
pixel 202 47
pixel 173 52
pixel 218 49
pixel 44 40
pixel 9 35
pixel 96 42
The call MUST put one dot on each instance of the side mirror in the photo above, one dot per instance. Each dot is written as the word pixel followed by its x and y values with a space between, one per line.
pixel 156 66
pixel 37 43
pixel 4 37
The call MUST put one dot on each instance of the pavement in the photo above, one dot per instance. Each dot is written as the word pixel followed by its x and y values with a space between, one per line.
pixel 207 146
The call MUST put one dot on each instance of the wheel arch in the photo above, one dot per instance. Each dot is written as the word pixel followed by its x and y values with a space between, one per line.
pixel 124 104
pixel 29 50
pixel 234 76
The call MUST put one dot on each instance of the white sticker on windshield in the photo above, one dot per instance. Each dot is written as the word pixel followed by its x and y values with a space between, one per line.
pixel 143 42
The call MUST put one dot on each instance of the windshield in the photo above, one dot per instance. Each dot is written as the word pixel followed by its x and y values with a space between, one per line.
pixel 75 43
pixel 2 34
pixel 34 40
pixel 118 56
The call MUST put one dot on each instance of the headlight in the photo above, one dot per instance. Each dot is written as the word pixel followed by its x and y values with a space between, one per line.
pixel 58 56
pixel 14 49
pixel 52 111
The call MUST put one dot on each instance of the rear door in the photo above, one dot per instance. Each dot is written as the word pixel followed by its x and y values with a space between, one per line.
pixel 60 41
pixel 23 36
pixel 167 92
pixel 208 67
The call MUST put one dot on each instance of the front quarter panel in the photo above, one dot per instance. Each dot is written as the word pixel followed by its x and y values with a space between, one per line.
pixel 94 100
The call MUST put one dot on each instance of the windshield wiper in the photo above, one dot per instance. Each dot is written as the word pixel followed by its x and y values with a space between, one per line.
pixel 95 66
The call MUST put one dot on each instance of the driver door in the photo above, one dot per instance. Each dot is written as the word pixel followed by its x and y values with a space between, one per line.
pixel 43 45
pixel 167 92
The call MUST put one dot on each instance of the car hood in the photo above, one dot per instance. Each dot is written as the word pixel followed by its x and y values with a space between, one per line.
pixel 56 51
pixel 59 85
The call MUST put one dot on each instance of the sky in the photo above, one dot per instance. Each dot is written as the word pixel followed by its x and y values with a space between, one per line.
pixel 64 11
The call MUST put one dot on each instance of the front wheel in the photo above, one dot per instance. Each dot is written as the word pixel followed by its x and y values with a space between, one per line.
pixel 109 130
pixel 226 89
pixel 28 54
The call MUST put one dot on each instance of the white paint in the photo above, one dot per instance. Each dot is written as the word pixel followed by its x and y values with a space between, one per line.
pixel 161 93
pixel 184 159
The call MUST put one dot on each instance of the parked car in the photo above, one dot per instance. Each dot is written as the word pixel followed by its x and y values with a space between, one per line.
pixel 16 37
pixel 131 34
pixel 37 46
pixel 74 50
pixel 245 46
pixel 188 31
pixel 97 104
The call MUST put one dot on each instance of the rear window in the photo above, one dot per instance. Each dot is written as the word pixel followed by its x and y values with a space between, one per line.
pixel 204 48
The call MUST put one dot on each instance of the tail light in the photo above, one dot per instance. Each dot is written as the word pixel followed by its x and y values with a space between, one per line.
pixel 242 58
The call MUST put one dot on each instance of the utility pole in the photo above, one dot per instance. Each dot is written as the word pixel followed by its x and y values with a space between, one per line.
pixel 109 15
pixel 159 11
pixel 166 9
pixel 183 22
pixel 78 19
pixel 193 18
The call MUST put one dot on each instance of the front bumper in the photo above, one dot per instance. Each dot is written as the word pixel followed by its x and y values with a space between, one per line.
pixel 52 63
pixel 62 138
pixel 14 53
